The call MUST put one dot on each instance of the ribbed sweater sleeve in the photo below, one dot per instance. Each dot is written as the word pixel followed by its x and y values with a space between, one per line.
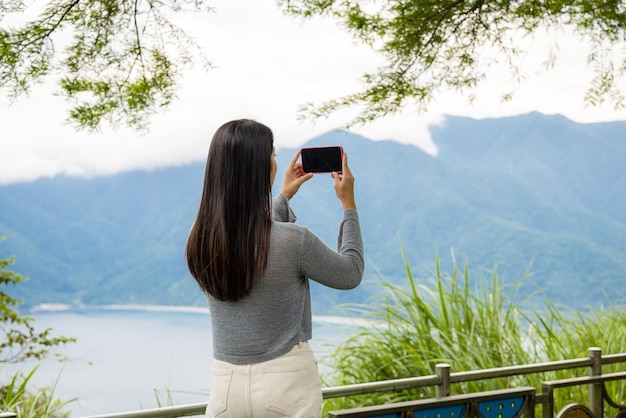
pixel 341 269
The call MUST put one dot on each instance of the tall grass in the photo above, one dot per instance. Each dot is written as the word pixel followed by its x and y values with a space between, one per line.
pixel 470 326
pixel 571 332
pixel 17 397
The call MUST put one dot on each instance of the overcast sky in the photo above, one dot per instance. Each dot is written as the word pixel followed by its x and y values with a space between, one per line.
pixel 267 65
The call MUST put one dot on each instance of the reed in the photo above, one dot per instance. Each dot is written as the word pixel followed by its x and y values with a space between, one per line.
pixel 470 325
pixel 16 396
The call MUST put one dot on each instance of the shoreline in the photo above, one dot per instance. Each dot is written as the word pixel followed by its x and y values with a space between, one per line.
pixel 50 308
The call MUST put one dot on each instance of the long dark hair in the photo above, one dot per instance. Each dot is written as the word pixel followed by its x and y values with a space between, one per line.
pixel 229 242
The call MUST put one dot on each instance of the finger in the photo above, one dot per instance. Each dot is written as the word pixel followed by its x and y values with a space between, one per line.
pixel 295 158
pixel 344 164
pixel 298 169
pixel 305 177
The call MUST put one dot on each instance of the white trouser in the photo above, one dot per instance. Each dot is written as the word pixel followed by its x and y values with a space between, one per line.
pixel 288 386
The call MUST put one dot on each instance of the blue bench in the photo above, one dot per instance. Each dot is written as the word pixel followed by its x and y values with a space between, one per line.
pixel 503 403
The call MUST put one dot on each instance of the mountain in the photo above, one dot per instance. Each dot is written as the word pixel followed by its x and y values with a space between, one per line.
pixel 508 192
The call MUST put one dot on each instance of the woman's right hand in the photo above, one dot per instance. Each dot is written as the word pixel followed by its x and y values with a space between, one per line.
pixel 294 177
pixel 344 185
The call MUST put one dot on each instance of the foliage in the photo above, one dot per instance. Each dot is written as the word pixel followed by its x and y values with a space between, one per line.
pixel 432 45
pixel 564 332
pixel 21 340
pixel 120 60
pixel 410 330
pixel 15 397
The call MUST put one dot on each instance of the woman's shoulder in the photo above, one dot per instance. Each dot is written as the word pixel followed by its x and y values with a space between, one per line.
pixel 290 234
pixel 288 227
pixel 288 237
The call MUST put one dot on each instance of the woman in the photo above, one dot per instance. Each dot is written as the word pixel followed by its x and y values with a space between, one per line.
pixel 253 264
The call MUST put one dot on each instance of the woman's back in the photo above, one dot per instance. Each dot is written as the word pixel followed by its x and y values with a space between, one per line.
pixel 276 314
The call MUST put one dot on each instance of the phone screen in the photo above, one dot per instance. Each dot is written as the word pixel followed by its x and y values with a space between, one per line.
pixel 322 159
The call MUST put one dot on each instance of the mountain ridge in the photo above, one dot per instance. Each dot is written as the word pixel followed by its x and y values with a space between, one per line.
pixel 506 192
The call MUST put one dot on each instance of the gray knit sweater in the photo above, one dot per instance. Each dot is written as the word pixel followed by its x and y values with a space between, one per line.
pixel 276 314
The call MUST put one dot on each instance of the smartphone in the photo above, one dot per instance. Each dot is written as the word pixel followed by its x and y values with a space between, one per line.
pixel 322 159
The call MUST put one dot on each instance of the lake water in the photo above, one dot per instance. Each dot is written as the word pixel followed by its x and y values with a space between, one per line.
pixel 136 358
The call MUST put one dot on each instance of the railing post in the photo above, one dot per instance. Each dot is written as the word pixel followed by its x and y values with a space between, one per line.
pixel 443 389
pixel 547 407
pixel 596 402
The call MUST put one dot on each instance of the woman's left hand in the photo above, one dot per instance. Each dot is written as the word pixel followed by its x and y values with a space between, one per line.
pixel 294 177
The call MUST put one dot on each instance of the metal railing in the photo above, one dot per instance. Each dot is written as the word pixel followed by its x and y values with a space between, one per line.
pixel 444 378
